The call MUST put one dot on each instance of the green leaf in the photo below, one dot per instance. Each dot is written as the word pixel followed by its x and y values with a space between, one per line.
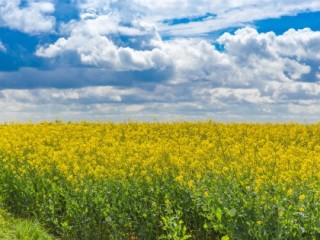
pixel 233 212
pixel 108 219
pixel 205 226
pixel 219 214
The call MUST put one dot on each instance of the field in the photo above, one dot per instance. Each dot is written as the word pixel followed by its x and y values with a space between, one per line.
pixel 202 180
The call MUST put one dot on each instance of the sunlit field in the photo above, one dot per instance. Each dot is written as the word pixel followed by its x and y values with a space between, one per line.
pixel 184 180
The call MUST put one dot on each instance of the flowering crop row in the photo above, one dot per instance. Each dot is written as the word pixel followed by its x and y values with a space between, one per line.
pixel 201 180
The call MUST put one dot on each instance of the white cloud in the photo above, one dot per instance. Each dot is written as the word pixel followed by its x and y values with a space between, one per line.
pixel 249 55
pixel 229 13
pixel 290 91
pixel 35 17
pixel 230 95
pixel 301 44
pixel 64 96
pixel 197 60
pixel 2 47
pixel 89 38
pixel 250 60
pixel 265 55
pixel 305 109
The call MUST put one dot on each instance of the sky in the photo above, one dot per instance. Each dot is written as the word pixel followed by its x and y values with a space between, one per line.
pixel 168 60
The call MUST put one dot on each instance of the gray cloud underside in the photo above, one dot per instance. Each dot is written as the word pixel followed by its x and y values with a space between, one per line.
pixel 62 78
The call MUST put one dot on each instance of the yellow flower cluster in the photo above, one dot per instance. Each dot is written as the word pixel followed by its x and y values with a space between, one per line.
pixel 255 154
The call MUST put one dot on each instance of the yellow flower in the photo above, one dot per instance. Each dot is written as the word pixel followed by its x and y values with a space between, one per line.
pixel 281 213
pixel 302 197
pixel 191 184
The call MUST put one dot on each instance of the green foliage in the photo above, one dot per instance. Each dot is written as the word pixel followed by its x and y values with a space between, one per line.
pixel 174 228
pixel 17 229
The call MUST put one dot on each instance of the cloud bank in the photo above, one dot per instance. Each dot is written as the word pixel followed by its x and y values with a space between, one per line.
pixel 114 62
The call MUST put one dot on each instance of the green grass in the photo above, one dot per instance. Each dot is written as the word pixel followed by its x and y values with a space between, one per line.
pixel 14 229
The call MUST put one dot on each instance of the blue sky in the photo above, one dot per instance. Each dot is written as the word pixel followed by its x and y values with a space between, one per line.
pixel 125 60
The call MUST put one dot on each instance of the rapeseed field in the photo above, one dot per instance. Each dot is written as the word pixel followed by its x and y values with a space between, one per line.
pixel 184 180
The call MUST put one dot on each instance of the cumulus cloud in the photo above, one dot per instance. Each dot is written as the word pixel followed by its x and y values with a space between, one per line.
pixel 34 17
pixel 265 54
pixel 229 95
pixel 295 91
pixel 301 44
pixel 66 96
pixel 309 108
pixel 93 39
pixel 247 55
pixel 253 73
